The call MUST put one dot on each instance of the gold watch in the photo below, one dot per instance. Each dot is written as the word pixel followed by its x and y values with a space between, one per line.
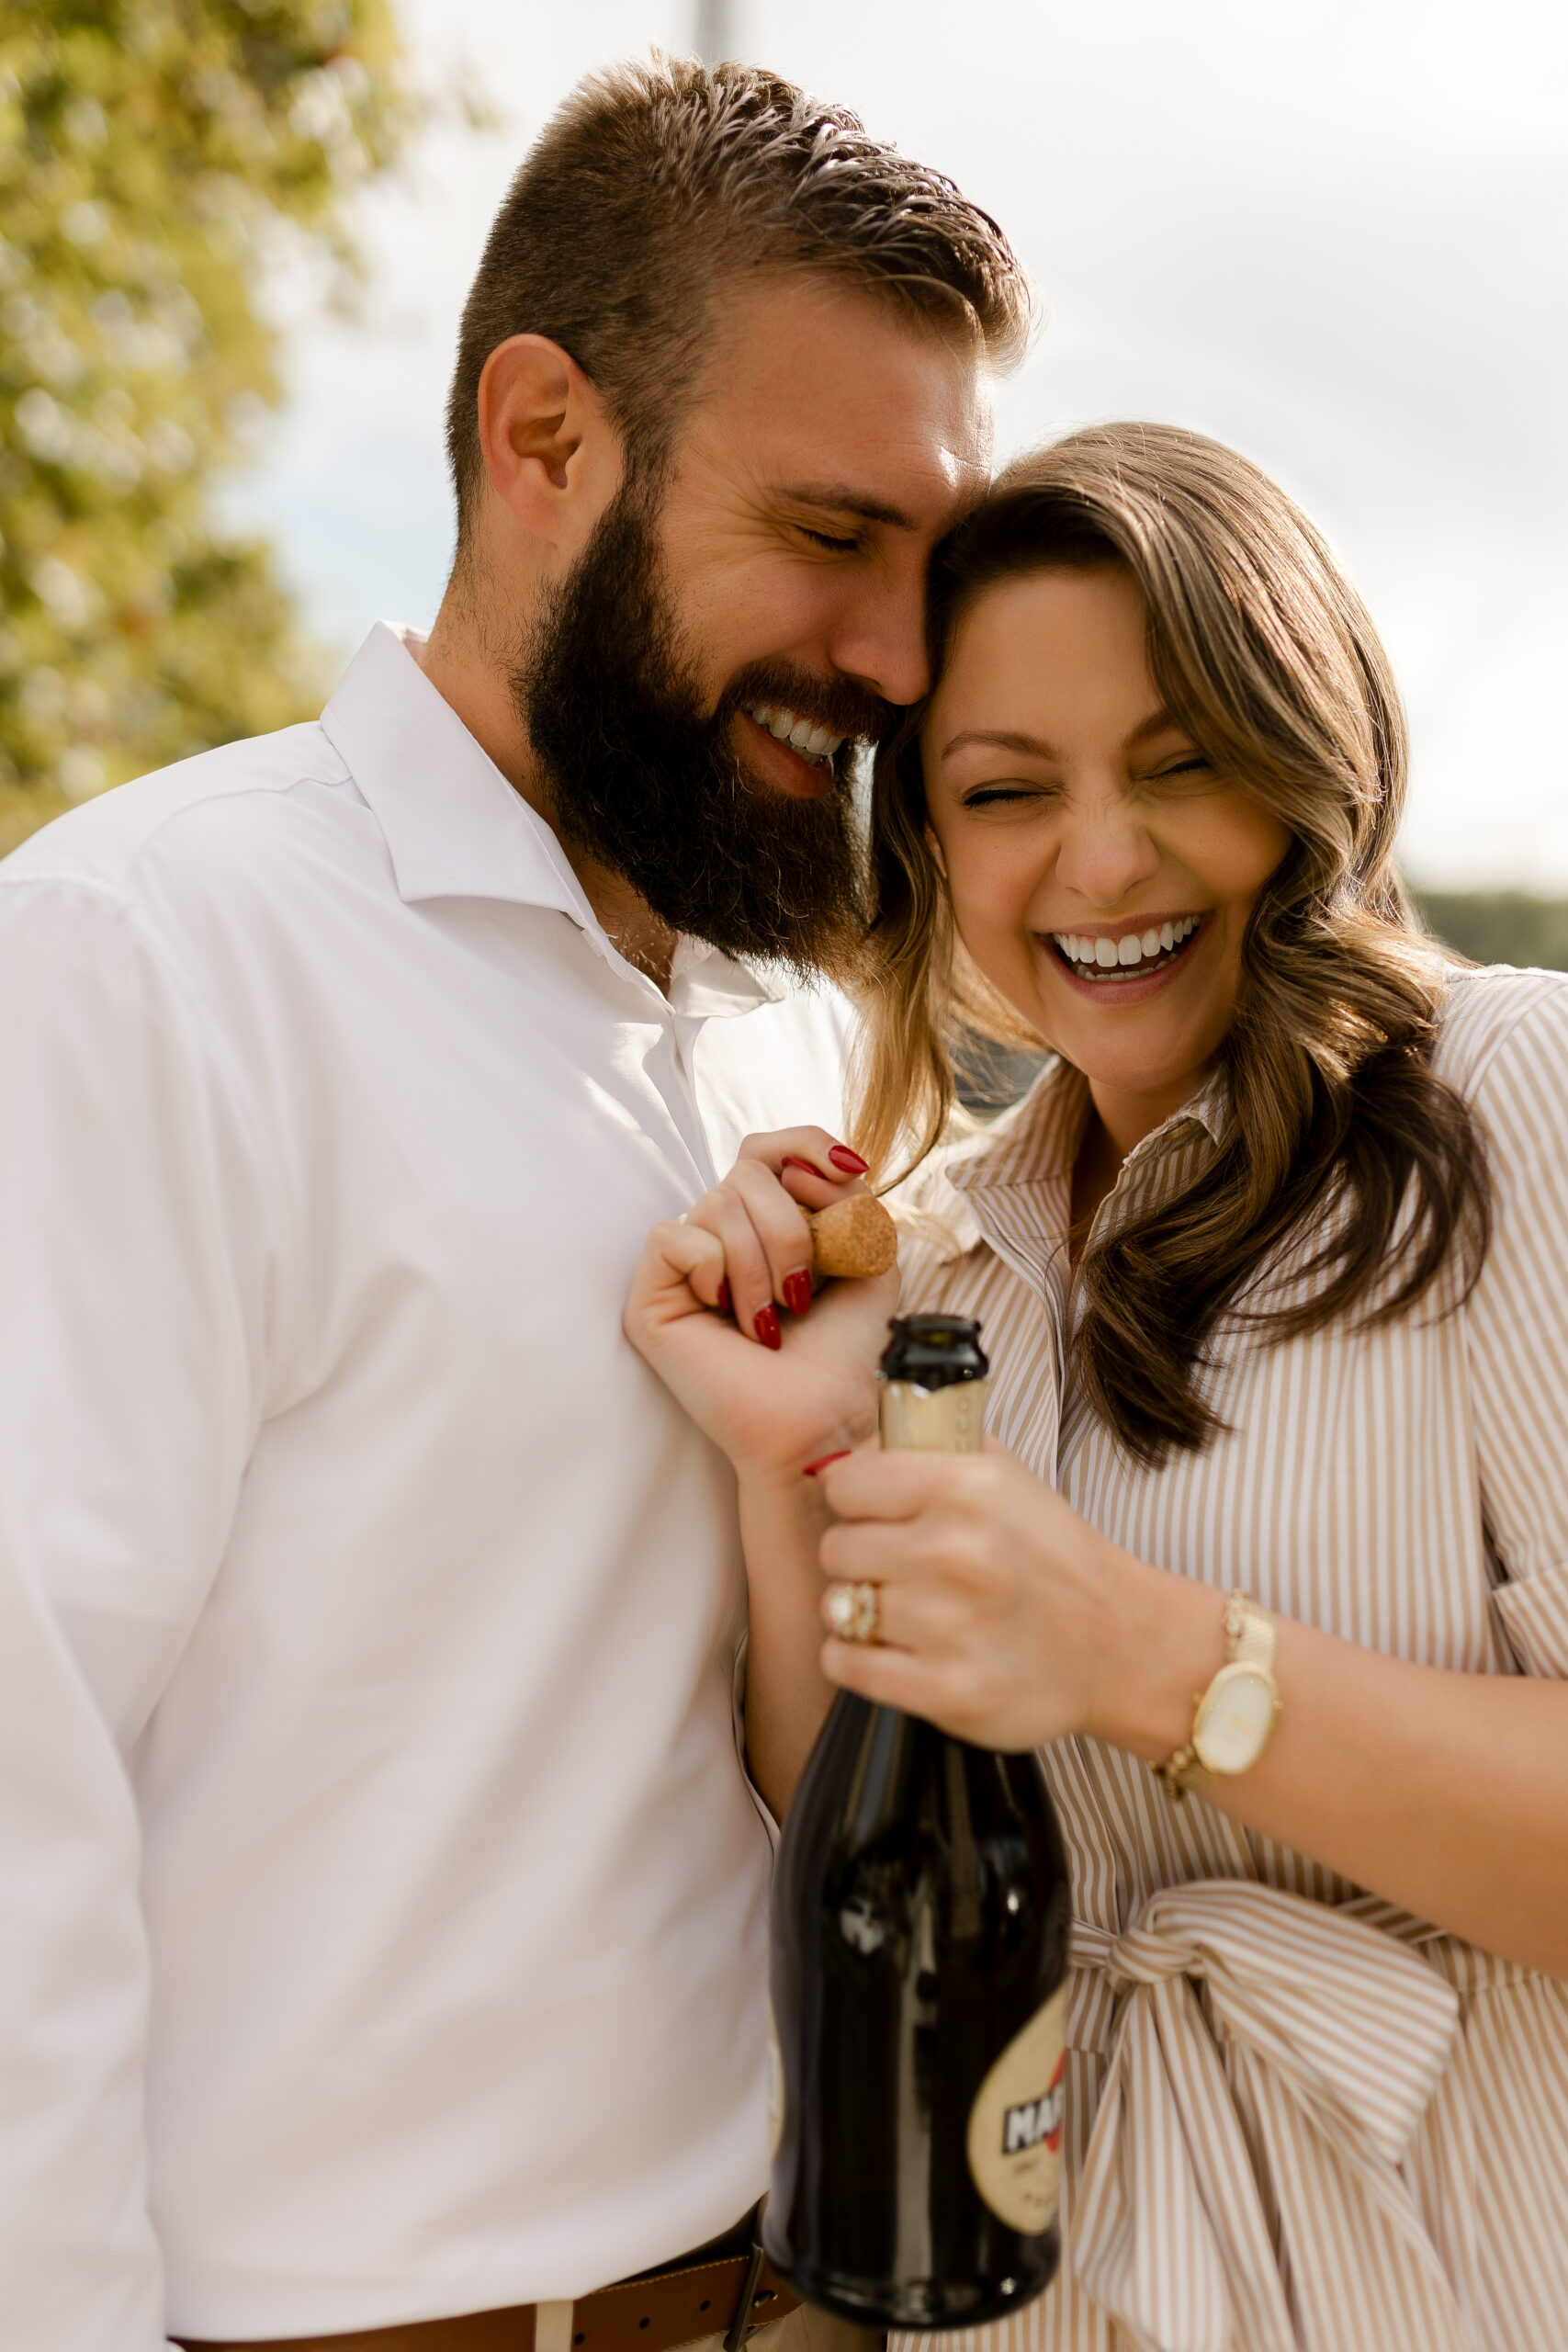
pixel 1234 1719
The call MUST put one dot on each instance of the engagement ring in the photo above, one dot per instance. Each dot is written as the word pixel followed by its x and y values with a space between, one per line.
pixel 854 1611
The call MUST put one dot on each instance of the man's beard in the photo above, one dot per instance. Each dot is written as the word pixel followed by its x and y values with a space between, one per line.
pixel 641 781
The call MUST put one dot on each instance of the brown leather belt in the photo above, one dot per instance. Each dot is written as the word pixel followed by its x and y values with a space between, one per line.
pixel 653 2313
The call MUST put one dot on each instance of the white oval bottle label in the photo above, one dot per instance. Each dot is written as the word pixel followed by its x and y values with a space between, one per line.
pixel 1015 2124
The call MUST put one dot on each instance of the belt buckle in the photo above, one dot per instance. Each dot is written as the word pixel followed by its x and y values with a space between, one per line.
pixel 740 2326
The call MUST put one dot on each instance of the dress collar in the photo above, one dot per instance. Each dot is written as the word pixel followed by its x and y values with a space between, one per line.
pixel 1037 1141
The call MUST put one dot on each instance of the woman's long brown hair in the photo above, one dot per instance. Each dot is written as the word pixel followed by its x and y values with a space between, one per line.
pixel 1264 653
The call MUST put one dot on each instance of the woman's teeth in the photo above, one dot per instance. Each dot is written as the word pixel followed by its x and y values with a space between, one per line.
pixel 1099 953
pixel 802 735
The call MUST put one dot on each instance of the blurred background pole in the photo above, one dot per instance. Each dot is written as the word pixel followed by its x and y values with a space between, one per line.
pixel 716 37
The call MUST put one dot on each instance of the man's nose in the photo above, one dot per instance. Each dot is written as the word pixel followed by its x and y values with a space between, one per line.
pixel 880 639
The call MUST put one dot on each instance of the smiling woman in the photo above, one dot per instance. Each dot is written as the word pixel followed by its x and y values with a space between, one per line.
pixel 1162 709
pixel 1270 1266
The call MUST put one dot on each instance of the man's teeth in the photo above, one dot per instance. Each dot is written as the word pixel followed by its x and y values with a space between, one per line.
pixel 1135 947
pixel 802 735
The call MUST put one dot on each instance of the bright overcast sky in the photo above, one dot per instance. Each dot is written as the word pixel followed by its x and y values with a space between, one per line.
pixel 1335 234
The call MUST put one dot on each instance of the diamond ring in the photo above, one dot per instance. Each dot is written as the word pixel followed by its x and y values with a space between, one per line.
pixel 853 1612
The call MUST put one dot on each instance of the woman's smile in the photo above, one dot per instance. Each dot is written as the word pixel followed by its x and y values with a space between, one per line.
pixel 1125 964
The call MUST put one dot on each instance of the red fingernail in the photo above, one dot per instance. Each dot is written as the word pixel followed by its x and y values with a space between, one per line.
pixel 798 1291
pixel 724 1298
pixel 804 1165
pixel 850 1161
pixel 766 1327
pixel 822 1460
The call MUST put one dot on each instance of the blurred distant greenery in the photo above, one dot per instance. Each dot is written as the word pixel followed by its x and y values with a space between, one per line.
pixel 1500 926
pixel 155 156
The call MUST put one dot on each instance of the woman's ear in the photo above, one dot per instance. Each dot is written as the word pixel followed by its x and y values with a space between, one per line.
pixel 935 848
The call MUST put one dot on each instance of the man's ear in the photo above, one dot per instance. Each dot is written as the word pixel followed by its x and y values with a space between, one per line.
pixel 550 450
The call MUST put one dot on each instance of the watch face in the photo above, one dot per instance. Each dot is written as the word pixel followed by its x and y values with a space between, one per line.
pixel 1234 1720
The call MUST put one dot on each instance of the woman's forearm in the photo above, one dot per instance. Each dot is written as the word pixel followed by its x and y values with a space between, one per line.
pixel 1445 1792
pixel 787 1697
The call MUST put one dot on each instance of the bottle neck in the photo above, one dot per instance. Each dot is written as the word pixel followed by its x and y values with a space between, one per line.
pixel 949 1420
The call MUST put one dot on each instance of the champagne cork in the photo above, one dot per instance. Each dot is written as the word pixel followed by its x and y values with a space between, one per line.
pixel 852 1238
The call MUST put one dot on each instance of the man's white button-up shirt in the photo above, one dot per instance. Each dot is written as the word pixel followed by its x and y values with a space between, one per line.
pixel 384 1905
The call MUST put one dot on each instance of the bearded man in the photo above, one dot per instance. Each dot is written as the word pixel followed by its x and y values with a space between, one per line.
pixel 385 1904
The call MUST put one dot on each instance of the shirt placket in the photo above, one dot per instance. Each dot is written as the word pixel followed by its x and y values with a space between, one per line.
pixel 1026 1226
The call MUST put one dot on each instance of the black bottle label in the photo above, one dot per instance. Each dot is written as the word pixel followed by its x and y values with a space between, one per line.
pixel 1015 2124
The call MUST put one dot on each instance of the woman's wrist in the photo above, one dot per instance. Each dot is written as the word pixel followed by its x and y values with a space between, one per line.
pixel 1162 1642
pixel 778 1491
pixel 800 1455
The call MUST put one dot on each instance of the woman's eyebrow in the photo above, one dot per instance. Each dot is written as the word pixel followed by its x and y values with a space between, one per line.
pixel 1003 739
pixel 999 739
pixel 1159 722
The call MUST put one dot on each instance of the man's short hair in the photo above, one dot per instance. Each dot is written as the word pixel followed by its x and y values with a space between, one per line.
pixel 658 188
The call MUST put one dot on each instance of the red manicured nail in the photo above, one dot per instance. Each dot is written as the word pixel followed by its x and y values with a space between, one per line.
pixel 822 1460
pixel 766 1327
pixel 798 1291
pixel 724 1298
pixel 850 1161
pixel 804 1165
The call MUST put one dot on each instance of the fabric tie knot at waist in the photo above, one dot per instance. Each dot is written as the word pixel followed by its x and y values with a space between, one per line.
pixel 1268 2064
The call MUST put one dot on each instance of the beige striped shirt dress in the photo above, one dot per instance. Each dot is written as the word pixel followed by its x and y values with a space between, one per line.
pixel 1297 2115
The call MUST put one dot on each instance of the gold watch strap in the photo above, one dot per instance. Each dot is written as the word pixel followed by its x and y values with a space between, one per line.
pixel 1250 1633
pixel 1251 1639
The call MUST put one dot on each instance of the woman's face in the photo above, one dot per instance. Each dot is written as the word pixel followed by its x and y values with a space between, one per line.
pixel 1101 873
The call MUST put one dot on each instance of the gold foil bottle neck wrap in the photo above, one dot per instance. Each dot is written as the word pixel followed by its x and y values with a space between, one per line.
pixel 950 1419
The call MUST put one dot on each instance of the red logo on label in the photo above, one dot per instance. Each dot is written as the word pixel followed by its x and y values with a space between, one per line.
pixel 1037 2122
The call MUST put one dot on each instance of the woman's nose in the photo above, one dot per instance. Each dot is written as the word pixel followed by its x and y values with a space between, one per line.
pixel 1105 856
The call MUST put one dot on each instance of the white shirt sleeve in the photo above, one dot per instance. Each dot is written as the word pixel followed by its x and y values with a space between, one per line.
pixel 134 1243
pixel 737 1716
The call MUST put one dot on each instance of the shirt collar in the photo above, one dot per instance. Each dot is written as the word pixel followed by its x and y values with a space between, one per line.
pixel 1039 1138
pixel 705 983
pixel 456 828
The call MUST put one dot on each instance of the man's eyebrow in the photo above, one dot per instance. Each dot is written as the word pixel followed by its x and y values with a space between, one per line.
pixel 841 498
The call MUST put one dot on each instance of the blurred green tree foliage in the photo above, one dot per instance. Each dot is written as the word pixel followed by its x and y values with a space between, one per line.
pixel 153 153
pixel 1500 926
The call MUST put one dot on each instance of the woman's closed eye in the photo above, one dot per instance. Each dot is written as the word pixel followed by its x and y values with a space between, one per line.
pixel 1191 768
pixel 1003 793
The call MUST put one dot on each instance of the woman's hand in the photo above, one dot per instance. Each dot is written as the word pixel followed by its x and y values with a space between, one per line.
pixel 998 1604
pixel 774 1391
pixel 1009 1622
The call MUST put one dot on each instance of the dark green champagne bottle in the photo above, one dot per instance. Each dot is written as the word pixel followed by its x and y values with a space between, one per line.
pixel 920 1932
